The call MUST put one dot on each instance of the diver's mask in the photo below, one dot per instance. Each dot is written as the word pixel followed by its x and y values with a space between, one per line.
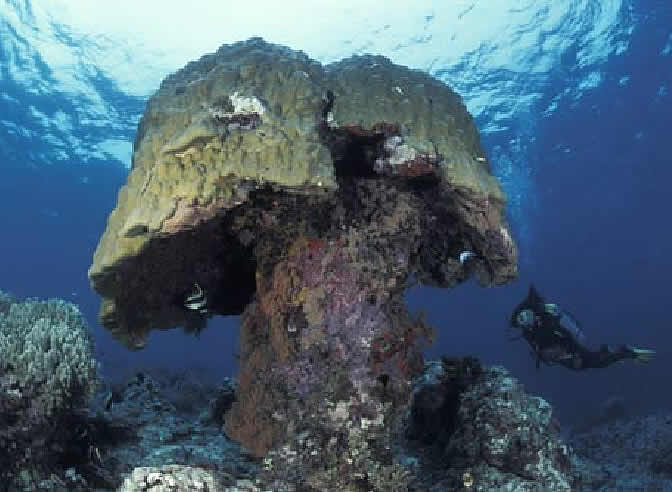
pixel 525 318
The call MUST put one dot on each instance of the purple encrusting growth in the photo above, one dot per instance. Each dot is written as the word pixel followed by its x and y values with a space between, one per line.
pixel 349 323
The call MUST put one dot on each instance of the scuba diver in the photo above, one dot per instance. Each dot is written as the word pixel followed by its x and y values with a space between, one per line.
pixel 557 338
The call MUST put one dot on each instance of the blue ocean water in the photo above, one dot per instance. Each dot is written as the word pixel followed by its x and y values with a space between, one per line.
pixel 572 100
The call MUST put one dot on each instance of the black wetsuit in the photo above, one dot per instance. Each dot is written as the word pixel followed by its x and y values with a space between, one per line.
pixel 554 343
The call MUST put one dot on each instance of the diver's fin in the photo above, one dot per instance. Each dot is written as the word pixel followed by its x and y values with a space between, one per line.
pixel 534 299
pixel 642 355
pixel 532 292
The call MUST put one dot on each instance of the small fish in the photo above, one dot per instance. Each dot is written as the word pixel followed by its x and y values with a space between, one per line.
pixel 197 300
pixel 465 255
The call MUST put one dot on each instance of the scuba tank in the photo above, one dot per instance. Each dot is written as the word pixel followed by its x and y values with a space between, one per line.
pixel 567 321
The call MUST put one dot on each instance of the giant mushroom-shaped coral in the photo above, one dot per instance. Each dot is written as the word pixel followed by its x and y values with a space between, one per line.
pixel 305 197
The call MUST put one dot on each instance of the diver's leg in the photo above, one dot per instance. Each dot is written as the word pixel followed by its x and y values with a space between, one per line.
pixel 605 356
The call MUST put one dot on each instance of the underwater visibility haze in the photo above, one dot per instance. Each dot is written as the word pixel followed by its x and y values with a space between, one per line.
pixel 283 245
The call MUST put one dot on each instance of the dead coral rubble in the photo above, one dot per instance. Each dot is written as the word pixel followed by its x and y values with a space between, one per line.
pixel 465 422
pixel 143 439
pixel 305 198
pixel 630 453
pixel 170 478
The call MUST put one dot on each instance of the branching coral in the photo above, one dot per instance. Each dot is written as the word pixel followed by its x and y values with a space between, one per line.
pixel 47 370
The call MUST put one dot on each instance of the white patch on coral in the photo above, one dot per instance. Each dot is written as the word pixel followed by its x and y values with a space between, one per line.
pixel 399 153
pixel 242 104
pixel 392 143
pixel 507 237
pixel 403 154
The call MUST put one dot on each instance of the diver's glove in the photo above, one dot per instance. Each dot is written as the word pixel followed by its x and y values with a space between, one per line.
pixel 642 355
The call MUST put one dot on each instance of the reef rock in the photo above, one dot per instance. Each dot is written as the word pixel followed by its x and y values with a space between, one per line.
pixel 305 198
pixel 476 429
